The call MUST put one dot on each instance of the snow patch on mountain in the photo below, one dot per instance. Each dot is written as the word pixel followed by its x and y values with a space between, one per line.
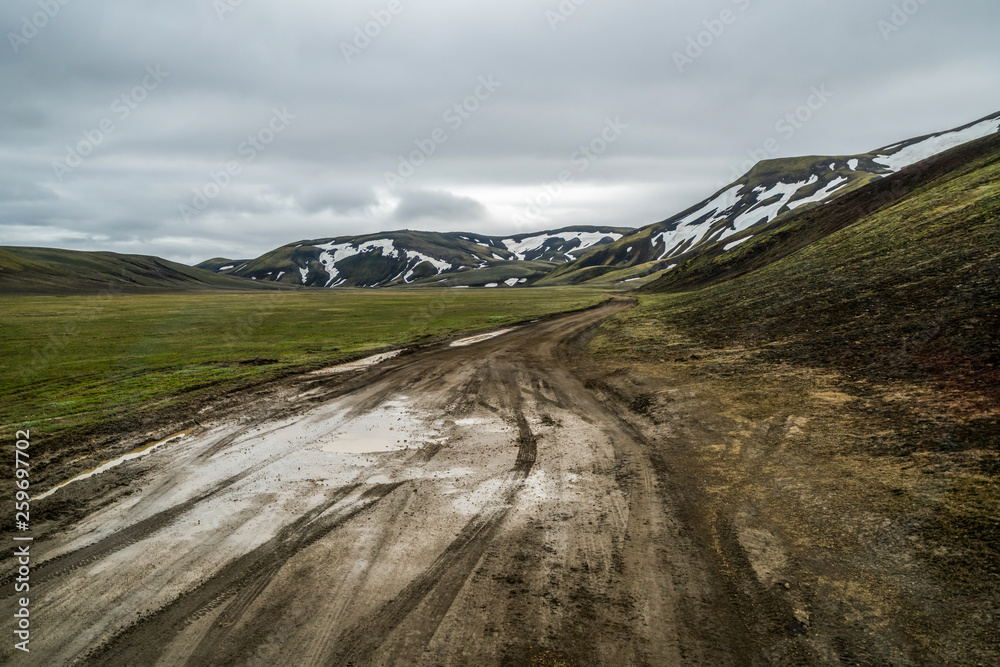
pixel 438 264
pixel 333 253
pixel 675 240
pixel 338 251
pixel 532 243
pixel 821 194
pixel 937 144
pixel 730 246
pixel 718 205
pixel 768 212
pixel 716 209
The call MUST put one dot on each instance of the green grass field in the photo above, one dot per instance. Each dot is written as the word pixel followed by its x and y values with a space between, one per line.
pixel 72 362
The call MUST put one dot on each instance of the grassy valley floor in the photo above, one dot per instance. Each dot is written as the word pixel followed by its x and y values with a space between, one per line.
pixel 80 371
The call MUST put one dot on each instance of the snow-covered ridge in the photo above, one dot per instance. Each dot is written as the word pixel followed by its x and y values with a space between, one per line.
pixel 741 209
pixel 408 256
pixel 937 144
pixel 333 253
pixel 521 249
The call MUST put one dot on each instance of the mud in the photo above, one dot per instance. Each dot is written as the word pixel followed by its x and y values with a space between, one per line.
pixel 470 505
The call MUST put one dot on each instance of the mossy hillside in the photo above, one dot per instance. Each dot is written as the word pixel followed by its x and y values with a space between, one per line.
pixel 26 270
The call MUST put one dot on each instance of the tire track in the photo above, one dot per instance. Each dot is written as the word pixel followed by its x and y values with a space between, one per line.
pixel 436 588
pixel 64 564
pixel 246 607
pixel 239 582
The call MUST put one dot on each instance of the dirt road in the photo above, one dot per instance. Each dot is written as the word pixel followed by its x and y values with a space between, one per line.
pixel 465 505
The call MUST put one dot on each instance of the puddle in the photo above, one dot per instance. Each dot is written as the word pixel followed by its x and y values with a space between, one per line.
pixel 108 465
pixel 358 365
pixel 480 338
pixel 392 427
pixel 472 421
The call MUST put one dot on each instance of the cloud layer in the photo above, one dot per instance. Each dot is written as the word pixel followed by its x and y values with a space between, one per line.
pixel 274 122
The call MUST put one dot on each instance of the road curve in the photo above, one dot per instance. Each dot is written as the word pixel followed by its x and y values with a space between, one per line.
pixel 510 518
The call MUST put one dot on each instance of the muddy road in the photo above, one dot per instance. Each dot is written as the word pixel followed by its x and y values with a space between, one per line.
pixel 466 505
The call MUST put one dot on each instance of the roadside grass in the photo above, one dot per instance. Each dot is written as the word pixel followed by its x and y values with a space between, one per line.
pixel 847 398
pixel 73 362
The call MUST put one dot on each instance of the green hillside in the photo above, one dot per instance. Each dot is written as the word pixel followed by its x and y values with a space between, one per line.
pixel 908 291
pixel 770 191
pixel 53 271
pixel 795 231
pixel 837 401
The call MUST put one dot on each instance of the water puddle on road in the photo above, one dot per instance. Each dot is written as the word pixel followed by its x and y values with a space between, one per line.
pixel 360 364
pixel 108 465
pixel 464 342
pixel 392 427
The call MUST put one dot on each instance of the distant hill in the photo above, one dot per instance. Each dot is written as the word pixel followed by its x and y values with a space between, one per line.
pixel 53 271
pixel 771 189
pixel 686 250
pixel 408 257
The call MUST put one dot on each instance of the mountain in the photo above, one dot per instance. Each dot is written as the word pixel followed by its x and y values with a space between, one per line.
pixel 51 271
pixel 844 383
pixel 904 286
pixel 790 233
pixel 687 249
pixel 771 189
pixel 408 257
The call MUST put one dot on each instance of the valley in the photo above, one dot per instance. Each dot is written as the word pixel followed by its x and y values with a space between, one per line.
pixel 763 431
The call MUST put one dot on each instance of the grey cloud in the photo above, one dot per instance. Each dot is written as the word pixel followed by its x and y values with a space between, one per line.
pixel 437 205
pixel 14 191
pixel 335 198
pixel 325 174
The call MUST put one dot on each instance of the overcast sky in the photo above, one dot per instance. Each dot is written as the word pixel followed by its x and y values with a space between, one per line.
pixel 115 114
